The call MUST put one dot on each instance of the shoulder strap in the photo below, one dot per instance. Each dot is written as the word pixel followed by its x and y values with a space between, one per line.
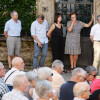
pixel 10 75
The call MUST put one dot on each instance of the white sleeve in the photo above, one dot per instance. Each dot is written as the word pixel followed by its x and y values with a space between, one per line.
pixel 6 27
pixel 33 30
pixel 92 32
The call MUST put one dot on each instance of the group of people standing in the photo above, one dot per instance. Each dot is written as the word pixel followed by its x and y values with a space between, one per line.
pixel 40 33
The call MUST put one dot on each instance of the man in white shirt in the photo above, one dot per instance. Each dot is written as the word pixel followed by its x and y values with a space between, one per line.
pixel 39 30
pixel 17 69
pixel 95 38
pixel 20 87
pixel 12 33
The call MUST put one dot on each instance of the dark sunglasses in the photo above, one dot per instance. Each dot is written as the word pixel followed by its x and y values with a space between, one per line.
pixel 94 75
pixel 51 74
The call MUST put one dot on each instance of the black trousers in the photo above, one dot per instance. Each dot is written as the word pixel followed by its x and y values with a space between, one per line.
pixel 57 44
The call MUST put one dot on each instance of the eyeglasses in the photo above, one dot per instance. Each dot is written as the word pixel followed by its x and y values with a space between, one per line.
pixel 87 90
pixel 51 74
pixel 94 75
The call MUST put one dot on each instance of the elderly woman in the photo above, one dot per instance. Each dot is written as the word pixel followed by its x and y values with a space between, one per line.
pixel 44 73
pixel 72 45
pixel 81 91
pixel 58 80
pixel 44 90
pixel 32 78
pixel 91 73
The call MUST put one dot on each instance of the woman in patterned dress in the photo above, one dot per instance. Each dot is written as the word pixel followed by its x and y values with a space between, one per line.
pixel 72 45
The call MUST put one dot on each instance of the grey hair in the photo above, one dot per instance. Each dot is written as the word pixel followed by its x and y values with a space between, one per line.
pixel 41 16
pixel 78 71
pixel 90 69
pixel 57 64
pixel 1 65
pixel 42 88
pixel 12 13
pixel 18 80
pixel 79 88
pixel 31 75
pixel 44 73
pixel 98 17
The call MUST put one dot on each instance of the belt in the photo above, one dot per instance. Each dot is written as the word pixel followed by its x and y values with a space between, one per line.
pixel 97 40
pixel 15 36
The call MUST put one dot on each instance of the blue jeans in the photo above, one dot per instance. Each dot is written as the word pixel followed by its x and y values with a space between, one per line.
pixel 37 52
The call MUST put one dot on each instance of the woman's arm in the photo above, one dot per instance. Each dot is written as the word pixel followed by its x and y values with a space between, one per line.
pixel 50 31
pixel 89 24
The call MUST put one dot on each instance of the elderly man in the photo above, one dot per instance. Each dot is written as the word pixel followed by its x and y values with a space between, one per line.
pixel 17 69
pixel 20 87
pixel 39 30
pixel 12 33
pixel 91 73
pixel 95 38
pixel 66 90
pixel 57 79
pixel 81 91
pixel 3 87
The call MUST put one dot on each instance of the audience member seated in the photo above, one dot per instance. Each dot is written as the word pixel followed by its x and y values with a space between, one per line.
pixel 20 84
pixel 57 79
pixel 81 91
pixel 32 78
pixel 44 90
pixel 3 87
pixel 44 73
pixel 66 90
pixel 91 73
pixel 17 69
pixel 95 85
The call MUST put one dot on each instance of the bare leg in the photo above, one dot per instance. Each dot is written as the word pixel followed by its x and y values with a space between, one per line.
pixel 75 60
pixel 72 61
pixel 9 60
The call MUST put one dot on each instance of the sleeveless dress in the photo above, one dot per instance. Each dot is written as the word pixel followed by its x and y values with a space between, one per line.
pixel 57 43
pixel 72 45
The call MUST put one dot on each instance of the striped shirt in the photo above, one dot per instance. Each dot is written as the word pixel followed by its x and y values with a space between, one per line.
pixel 3 88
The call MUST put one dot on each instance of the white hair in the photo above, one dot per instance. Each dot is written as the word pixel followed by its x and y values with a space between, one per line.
pixel 57 64
pixel 78 71
pixel 44 73
pixel 31 75
pixel 1 65
pixel 42 88
pixel 80 87
pixel 18 80
pixel 12 13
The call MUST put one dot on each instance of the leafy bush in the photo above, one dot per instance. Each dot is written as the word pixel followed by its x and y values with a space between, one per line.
pixel 26 10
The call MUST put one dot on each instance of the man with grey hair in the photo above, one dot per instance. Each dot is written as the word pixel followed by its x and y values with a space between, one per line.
pixel 91 73
pixel 81 91
pixel 39 30
pixel 95 38
pixel 57 79
pixel 12 33
pixel 17 69
pixel 20 84
pixel 66 90
pixel 3 87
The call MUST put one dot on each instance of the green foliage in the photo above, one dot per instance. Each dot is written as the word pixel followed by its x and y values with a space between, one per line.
pixel 26 10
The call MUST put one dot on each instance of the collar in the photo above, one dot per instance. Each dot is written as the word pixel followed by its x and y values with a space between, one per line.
pixel 17 91
pixel 77 98
pixel 14 21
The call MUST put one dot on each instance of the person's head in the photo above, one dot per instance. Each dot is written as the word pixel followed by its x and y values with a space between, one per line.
pixel 14 15
pixel 40 18
pixel 91 73
pixel 18 63
pixel 44 89
pixel 2 70
pixel 98 19
pixel 58 66
pixel 58 18
pixel 79 75
pixel 45 73
pixel 32 77
pixel 72 16
pixel 21 83
pixel 82 90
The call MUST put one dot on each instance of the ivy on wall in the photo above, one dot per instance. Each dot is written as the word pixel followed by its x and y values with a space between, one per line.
pixel 26 10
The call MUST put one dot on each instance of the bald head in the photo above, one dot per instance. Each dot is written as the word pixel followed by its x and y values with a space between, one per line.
pixel 18 63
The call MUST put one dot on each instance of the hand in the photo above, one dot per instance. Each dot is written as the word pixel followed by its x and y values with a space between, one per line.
pixel 73 21
pixel 92 16
pixel 40 44
pixel 55 97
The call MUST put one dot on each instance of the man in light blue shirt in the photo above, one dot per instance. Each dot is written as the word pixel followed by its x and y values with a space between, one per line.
pixel 12 33
pixel 39 30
